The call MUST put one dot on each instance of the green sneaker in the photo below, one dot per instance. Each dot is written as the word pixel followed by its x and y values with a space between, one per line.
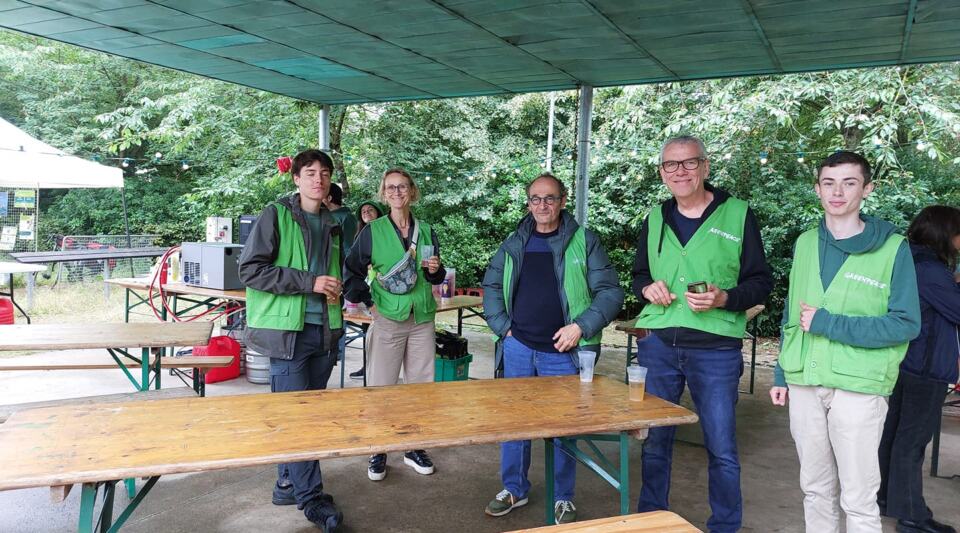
pixel 564 512
pixel 503 503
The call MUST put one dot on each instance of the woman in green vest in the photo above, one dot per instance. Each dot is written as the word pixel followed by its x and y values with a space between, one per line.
pixel 400 298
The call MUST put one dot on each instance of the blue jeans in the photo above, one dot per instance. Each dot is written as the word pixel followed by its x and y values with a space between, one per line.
pixel 308 370
pixel 520 361
pixel 713 376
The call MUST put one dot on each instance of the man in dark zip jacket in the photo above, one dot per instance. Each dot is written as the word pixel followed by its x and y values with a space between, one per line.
pixel 291 267
pixel 549 289
pixel 699 266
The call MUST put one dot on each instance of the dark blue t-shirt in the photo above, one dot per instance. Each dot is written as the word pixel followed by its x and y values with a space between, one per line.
pixel 537 311
pixel 687 226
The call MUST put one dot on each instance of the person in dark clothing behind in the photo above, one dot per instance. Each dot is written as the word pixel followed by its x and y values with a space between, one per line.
pixel 929 366
pixel 367 212
pixel 291 267
pixel 701 234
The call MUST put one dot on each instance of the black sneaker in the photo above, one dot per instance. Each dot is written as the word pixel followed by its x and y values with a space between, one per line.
pixel 358 374
pixel 378 467
pixel 420 461
pixel 924 526
pixel 324 513
pixel 283 495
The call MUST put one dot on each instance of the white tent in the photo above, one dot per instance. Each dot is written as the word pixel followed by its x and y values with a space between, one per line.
pixel 28 163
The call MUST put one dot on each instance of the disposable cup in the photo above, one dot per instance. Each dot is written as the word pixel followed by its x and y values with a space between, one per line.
pixel 636 381
pixel 587 360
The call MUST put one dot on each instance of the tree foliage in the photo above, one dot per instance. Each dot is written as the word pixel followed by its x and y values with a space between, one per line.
pixel 906 120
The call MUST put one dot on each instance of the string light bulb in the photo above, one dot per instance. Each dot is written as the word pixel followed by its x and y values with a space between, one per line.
pixel 184 165
pixel 125 163
pixel 157 155
pixel 764 158
pixel 800 158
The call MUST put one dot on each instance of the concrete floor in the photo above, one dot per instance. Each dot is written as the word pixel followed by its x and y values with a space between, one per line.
pixel 466 478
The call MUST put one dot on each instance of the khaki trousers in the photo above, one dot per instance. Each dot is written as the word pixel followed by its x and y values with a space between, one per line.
pixel 837 433
pixel 391 344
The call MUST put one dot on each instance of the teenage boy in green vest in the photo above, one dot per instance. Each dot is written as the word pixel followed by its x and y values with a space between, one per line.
pixel 549 290
pixel 699 266
pixel 851 310
pixel 291 268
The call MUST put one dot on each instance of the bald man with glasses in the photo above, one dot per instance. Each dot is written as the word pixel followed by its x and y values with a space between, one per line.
pixel 699 266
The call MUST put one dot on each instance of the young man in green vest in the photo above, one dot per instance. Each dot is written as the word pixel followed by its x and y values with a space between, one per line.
pixel 699 266
pixel 851 310
pixel 291 268
pixel 549 291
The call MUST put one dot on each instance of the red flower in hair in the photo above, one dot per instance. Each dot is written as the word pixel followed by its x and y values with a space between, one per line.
pixel 284 164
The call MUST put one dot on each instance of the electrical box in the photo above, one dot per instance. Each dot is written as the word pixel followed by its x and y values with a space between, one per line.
pixel 246 224
pixel 211 265
pixel 219 229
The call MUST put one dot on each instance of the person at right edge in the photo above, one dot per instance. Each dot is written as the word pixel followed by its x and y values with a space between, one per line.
pixel 699 266
pixel 851 309
pixel 925 373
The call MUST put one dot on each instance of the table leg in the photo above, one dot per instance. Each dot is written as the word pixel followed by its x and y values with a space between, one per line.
pixel 548 467
pixel 624 473
pixel 364 344
pixel 31 282
pixel 106 276
pixel 145 369
pixel 459 320
pixel 88 499
pixel 106 514
pixel 126 305
pixel 131 485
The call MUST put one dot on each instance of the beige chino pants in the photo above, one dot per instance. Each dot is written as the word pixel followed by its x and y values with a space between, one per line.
pixel 391 344
pixel 837 433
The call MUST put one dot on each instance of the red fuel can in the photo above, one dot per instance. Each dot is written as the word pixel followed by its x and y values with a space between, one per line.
pixel 221 345
pixel 6 311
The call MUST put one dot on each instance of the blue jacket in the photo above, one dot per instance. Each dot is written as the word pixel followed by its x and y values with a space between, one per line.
pixel 933 355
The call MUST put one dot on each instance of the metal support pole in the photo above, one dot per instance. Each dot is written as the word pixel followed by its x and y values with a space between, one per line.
pixel 553 101
pixel 583 153
pixel 324 126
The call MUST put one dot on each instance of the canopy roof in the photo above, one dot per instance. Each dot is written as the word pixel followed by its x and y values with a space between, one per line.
pixel 29 163
pixel 348 51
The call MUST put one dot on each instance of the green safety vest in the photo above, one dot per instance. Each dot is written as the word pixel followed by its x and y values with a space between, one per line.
pixel 387 250
pixel 860 288
pixel 286 311
pixel 575 286
pixel 711 255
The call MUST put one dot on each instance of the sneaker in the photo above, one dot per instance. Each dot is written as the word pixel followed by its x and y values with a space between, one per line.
pixel 358 374
pixel 564 512
pixel 378 467
pixel 283 495
pixel 503 503
pixel 324 513
pixel 420 461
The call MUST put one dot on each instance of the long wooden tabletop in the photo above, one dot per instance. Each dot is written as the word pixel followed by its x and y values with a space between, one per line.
pixel 110 335
pixel 143 284
pixel 448 304
pixel 88 443
pixel 11 267
pixel 653 522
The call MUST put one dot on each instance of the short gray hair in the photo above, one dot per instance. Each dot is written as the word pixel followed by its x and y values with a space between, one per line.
pixel 684 139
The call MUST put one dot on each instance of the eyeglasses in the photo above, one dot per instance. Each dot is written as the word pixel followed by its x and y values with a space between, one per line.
pixel 394 189
pixel 689 164
pixel 550 200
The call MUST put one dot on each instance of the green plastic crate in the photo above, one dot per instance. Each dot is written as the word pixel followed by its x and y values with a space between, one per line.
pixel 452 369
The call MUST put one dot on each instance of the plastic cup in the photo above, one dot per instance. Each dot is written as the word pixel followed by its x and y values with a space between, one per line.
pixel 637 382
pixel 587 360
pixel 426 252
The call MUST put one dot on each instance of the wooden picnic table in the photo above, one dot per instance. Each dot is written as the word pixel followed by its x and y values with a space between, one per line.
pixel 61 446
pixel 115 338
pixel 652 522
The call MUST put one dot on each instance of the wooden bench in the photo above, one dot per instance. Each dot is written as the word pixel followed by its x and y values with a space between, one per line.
pixel 180 392
pixel 197 364
pixel 653 522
